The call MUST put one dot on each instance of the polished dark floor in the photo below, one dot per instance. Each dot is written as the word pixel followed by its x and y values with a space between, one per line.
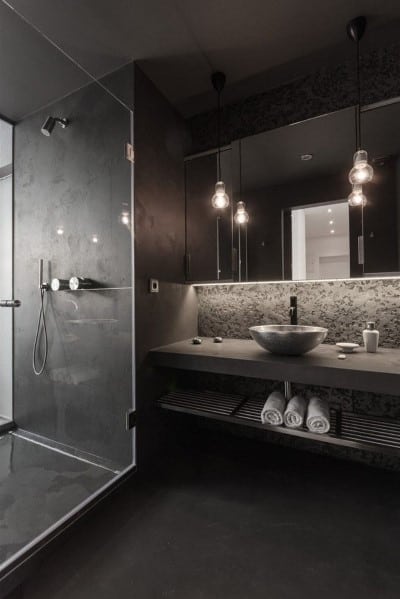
pixel 233 518
pixel 38 486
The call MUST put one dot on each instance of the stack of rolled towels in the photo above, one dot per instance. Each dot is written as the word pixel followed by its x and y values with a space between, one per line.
pixel 293 414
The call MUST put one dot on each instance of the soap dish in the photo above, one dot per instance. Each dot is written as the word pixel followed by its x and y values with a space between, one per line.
pixel 347 348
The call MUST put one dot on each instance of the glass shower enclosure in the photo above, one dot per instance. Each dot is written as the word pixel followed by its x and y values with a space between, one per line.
pixel 67 410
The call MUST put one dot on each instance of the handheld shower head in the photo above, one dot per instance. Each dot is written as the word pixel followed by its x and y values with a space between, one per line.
pixel 50 123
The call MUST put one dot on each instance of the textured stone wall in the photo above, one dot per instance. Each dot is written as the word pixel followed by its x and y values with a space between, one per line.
pixel 343 307
pixel 326 90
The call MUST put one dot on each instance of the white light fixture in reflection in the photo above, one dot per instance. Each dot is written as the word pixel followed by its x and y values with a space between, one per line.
pixel 241 215
pixel 357 198
pixel 331 222
pixel 60 230
pixel 362 172
pixel 220 199
pixel 332 231
pixel 329 210
pixel 95 238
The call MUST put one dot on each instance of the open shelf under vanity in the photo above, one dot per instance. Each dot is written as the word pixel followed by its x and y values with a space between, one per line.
pixel 347 428
pixel 379 373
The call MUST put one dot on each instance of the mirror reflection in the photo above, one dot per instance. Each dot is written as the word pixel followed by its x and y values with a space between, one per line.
pixel 320 242
pixel 283 182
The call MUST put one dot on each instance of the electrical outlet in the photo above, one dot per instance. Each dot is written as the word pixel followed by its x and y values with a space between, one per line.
pixel 154 286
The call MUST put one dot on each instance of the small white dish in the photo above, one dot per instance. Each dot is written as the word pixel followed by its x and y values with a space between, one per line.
pixel 347 348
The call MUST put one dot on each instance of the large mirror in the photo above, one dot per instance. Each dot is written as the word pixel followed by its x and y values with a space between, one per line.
pixel 294 183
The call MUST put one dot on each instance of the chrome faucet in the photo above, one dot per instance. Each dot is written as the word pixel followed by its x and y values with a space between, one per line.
pixel 293 309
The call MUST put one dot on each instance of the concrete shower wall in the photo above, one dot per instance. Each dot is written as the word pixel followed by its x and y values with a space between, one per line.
pixel 79 180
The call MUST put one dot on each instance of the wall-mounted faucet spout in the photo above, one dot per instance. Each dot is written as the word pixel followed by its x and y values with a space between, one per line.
pixel 293 309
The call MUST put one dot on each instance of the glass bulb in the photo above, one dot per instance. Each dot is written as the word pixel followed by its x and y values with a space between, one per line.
pixel 220 199
pixel 241 216
pixel 357 198
pixel 362 172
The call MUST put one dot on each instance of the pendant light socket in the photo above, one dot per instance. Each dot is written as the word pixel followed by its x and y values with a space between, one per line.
pixel 356 28
pixel 218 80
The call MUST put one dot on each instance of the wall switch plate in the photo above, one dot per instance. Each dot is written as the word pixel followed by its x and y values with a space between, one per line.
pixel 154 286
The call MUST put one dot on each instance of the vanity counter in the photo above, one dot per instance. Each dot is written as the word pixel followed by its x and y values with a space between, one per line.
pixel 361 371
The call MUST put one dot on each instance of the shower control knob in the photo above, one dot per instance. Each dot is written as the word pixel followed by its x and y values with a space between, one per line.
pixel 76 283
pixel 59 284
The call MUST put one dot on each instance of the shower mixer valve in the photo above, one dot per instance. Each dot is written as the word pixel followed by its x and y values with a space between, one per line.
pixel 43 286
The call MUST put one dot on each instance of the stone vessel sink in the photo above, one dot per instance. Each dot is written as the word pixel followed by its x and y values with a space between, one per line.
pixel 288 339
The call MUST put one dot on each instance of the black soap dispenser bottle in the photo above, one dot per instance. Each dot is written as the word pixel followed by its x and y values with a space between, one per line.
pixel 371 338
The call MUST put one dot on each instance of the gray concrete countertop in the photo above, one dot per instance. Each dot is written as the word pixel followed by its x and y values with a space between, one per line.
pixel 378 373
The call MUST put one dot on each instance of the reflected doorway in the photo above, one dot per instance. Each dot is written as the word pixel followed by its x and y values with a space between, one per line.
pixel 320 242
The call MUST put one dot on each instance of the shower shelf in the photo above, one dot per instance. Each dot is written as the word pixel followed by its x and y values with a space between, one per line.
pixel 348 429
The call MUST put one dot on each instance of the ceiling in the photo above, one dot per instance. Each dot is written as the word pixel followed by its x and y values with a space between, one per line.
pixel 318 219
pixel 180 42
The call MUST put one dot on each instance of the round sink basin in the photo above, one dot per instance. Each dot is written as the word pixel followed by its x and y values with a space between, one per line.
pixel 288 339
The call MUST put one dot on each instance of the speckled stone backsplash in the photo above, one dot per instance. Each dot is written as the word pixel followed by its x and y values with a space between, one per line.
pixel 343 307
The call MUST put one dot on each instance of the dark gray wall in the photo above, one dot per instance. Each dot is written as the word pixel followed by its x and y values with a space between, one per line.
pixel 170 315
pixel 78 179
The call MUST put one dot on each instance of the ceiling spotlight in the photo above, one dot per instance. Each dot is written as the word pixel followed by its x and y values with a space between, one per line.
pixel 331 222
pixel 329 210
pixel 306 157
pixel 50 122
pixel 332 231
pixel 95 239
pixel 60 230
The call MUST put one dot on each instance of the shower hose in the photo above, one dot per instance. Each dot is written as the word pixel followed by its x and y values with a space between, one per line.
pixel 41 329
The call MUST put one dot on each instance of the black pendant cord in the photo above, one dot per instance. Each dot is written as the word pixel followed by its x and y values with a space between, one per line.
pixel 358 110
pixel 219 134
pixel 240 169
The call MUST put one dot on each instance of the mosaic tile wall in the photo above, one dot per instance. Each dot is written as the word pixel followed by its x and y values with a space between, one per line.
pixel 343 307
pixel 326 90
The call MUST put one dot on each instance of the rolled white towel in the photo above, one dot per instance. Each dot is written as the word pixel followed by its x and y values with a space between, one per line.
pixel 274 407
pixel 295 412
pixel 318 416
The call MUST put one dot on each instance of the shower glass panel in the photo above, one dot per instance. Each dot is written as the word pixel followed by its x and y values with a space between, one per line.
pixel 67 201
pixel 6 280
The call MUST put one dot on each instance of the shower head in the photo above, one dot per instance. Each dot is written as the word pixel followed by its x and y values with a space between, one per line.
pixel 50 122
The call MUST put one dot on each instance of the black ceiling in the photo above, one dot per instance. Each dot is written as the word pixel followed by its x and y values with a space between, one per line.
pixel 178 43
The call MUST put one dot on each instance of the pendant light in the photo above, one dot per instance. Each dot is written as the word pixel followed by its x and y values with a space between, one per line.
pixel 362 172
pixel 220 199
pixel 241 215
pixel 357 198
